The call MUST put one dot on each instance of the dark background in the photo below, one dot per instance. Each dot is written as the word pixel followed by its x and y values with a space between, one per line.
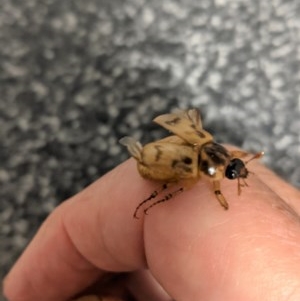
pixel 75 76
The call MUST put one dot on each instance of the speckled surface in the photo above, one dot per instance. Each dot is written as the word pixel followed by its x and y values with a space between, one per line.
pixel 75 76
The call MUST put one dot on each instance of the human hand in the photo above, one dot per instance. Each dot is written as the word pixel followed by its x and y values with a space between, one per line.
pixel 189 245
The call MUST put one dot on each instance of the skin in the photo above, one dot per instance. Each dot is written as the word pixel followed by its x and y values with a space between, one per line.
pixel 189 245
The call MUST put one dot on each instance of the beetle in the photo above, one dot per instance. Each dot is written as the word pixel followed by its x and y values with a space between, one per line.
pixel 185 157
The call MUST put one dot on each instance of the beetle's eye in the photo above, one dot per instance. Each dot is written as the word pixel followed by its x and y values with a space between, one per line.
pixel 234 168
pixel 231 173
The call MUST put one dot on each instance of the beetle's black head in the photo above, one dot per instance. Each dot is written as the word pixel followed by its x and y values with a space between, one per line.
pixel 236 169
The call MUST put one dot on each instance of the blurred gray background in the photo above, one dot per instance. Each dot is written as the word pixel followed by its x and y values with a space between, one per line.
pixel 75 76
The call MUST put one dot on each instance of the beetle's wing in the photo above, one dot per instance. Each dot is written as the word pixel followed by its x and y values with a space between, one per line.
pixel 194 116
pixel 187 125
pixel 172 139
pixel 169 162
pixel 134 147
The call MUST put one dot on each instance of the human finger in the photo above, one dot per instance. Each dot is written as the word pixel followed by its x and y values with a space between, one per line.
pixel 198 251
pixel 290 194
pixel 89 234
pixel 180 229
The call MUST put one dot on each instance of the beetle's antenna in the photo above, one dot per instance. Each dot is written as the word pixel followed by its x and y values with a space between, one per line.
pixel 255 156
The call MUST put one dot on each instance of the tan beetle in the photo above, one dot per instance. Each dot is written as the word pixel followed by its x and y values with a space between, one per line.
pixel 186 157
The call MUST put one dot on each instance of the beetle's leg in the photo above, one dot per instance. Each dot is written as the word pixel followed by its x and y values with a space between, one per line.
pixel 166 198
pixel 219 195
pixel 152 196
pixel 240 185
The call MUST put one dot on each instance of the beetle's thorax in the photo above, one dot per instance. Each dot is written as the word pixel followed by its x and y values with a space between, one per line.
pixel 213 160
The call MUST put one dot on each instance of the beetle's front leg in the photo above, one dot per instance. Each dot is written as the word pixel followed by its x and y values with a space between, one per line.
pixel 219 195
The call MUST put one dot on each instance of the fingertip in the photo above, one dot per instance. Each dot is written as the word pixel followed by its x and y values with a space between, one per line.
pixel 89 234
pixel 196 249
